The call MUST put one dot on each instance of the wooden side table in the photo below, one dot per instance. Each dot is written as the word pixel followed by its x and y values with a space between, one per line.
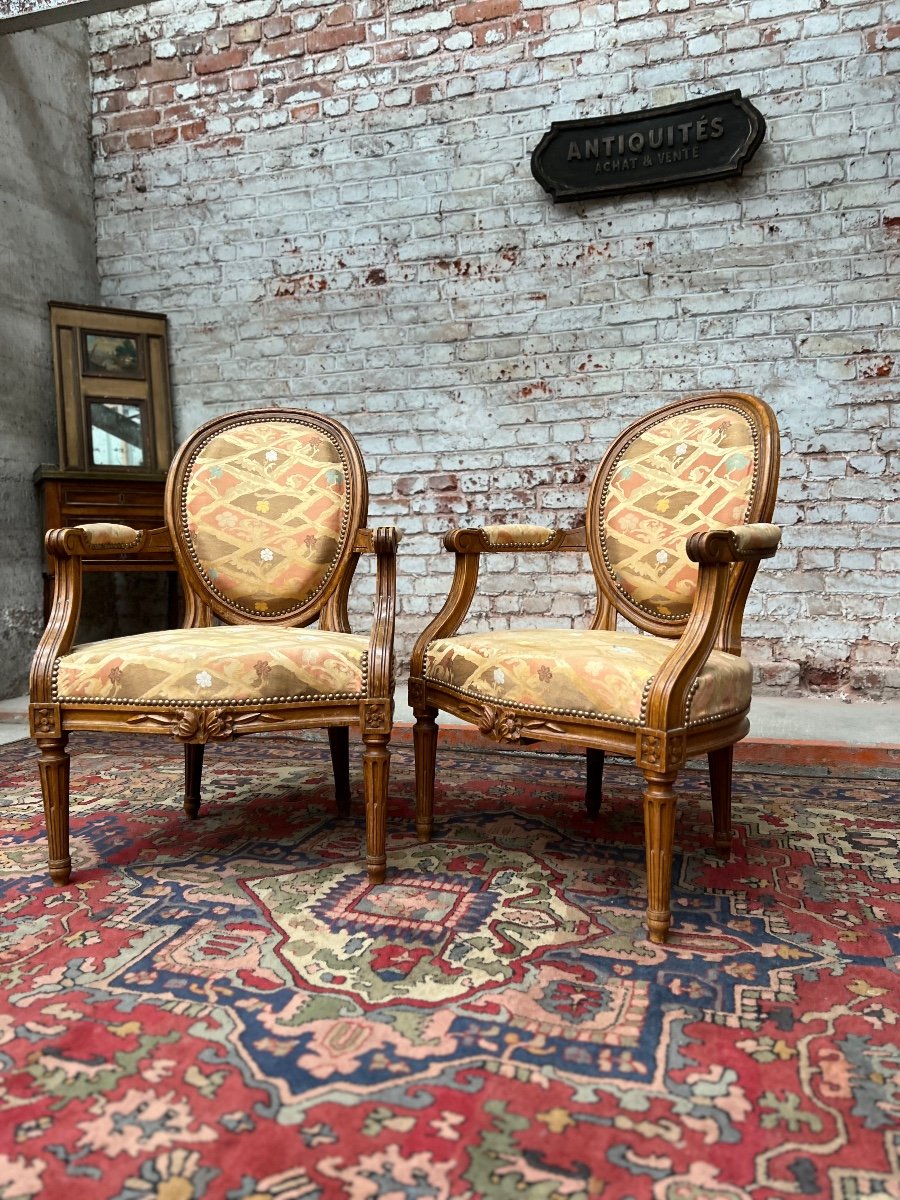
pixel 125 497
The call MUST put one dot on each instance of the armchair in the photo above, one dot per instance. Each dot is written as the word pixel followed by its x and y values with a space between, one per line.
pixel 265 512
pixel 692 483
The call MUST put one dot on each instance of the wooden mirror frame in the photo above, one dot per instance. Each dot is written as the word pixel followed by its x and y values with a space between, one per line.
pixel 80 383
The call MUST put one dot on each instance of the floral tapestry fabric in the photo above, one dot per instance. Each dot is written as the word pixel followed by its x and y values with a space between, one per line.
pixel 226 662
pixel 685 474
pixel 591 672
pixel 265 505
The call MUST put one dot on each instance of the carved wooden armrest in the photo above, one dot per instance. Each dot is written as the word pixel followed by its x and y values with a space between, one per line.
pixel 738 544
pixel 715 551
pixel 384 542
pixel 506 539
pixel 103 539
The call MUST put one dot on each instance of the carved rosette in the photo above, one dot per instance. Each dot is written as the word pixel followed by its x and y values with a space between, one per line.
pixel 377 716
pixel 45 721
pixel 500 724
pixel 204 724
pixel 661 751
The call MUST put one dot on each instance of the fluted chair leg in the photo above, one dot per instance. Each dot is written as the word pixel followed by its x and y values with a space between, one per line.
pixel 720 770
pixel 54 770
pixel 593 792
pixel 425 733
pixel 659 834
pixel 193 772
pixel 339 743
pixel 376 768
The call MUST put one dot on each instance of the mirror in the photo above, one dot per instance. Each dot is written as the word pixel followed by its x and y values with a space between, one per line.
pixel 117 434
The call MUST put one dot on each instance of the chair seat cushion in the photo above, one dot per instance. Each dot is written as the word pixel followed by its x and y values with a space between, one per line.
pixel 580 673
pixel 237 663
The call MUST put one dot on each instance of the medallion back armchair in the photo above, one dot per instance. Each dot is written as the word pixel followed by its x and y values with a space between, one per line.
pixel 677 522
pixel 265 512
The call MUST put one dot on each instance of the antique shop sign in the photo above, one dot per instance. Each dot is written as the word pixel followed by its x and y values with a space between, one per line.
pixel 710 138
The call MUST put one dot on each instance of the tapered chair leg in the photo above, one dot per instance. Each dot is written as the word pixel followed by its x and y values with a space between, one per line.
pixel 193 772
pixel 376 768
pixel 425 733
pixel 54 770
pixel 593 792
pixel 720 768
pixel 659 834
pixel 339 742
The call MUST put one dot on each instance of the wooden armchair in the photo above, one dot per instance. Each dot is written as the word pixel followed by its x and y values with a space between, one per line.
pixel 693 483
pixel 265 512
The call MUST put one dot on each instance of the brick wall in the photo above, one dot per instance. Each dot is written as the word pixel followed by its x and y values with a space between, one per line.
pixel 333 203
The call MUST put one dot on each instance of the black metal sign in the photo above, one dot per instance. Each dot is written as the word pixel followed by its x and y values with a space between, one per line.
pixel 709 138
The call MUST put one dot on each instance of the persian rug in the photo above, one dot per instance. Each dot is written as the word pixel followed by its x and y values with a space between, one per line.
pixel 226 1009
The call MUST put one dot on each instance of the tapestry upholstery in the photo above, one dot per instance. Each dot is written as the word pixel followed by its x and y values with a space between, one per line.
pixel 201 666
pixel 580 672
pixel 264 511
pixel 686 473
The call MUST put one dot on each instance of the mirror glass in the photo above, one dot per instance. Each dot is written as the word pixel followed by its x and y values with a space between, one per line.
pixel 117 435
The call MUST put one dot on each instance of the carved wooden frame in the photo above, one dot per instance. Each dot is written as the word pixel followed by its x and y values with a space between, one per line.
pixel 51 721
pixel 664 740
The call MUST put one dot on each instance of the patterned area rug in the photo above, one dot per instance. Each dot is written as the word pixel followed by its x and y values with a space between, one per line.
pixel 226 1009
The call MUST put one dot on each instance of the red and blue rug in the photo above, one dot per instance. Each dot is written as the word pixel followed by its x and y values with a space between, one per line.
pixel 227 1010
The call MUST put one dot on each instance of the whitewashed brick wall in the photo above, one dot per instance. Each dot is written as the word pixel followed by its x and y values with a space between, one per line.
pixel 333 203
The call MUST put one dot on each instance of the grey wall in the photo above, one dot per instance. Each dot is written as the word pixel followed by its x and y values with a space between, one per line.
pixel 47 252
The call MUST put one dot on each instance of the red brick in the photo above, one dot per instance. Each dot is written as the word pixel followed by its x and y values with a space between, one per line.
pixel 243 81
pixel 131 56
pixel 210 64
pixel 287 47
pixel 162 137
pixel 250 31
pixel 305 112
pixel 112 102
pixel 485 10
pixel 322 40
pixel 276 27
pixel 139 140
pixel 163 69
pixel 484 31
pixel 162 93
pixel 140 119
pixel 341 14
pixel 192 130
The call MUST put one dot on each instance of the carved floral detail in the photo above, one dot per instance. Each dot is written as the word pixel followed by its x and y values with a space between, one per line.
pixel 44 721
pixel 202 724
pixel 500 724
pixel 377 716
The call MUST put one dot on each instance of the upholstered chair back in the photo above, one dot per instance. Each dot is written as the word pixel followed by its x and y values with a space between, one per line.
pixel 688 471
pixel 264 512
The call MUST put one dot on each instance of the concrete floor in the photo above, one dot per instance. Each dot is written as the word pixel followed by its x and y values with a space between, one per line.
pixel 788 720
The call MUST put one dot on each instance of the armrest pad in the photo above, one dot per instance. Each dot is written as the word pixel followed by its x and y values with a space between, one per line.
pixel 517 535
pixel 500 539
pixel 104 533
pixel 737 544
